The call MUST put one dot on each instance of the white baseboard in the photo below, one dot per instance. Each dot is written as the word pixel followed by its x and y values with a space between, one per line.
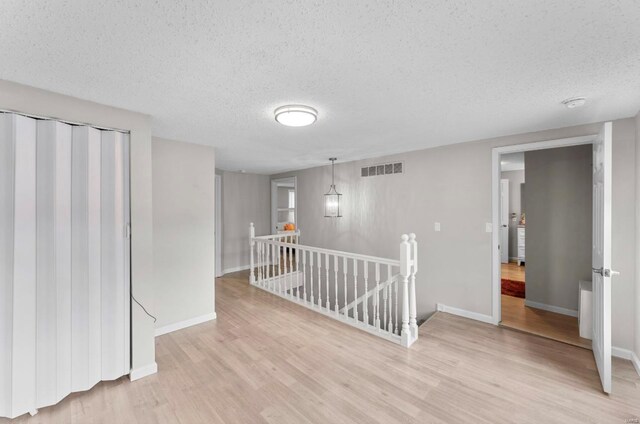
pixel 236 269
pixel 621 353
pixel 466 314
pixel 184 324
pixel 551 308
pixel 636 362
pixel 147 370
pixel 627 354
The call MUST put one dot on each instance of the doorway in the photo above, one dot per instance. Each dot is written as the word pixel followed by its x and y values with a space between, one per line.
pixel 549 249
pixel 284 199
pixel 218 225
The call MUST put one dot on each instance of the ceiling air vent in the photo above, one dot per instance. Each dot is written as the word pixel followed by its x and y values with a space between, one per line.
pixel 382 169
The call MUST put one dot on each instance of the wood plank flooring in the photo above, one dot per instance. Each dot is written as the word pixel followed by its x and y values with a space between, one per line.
pixel 516 315
pixel 562 328
pixel 266 360
pixel 511 271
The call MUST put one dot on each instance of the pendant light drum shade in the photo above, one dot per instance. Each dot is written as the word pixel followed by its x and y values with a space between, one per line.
pixel 332 197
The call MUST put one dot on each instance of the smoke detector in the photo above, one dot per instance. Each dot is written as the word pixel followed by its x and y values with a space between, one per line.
pixel 574 102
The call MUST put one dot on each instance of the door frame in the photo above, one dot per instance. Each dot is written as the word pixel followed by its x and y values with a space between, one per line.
pixel 274 200
pixel 218 226
pixel 496 152
pixel 504 244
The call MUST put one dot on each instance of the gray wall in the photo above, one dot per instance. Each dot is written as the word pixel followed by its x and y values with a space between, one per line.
pixel 559 225
pixel 455 264
pixel 246 198
pixel 46 103
pixel 516 178
pixel 183 229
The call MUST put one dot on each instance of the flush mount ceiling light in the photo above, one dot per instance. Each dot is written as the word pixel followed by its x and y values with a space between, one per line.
pixel 574 102
pixel 296 115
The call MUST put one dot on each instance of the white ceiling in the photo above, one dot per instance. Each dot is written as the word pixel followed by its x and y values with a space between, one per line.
pixel 385 76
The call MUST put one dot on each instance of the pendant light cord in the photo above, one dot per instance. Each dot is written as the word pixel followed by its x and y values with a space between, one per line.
pixel 333 172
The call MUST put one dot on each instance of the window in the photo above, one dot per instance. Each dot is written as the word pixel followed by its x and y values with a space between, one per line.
pixel 292 199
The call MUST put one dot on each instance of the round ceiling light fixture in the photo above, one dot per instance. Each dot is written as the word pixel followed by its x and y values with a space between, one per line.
pixel 574 102
pixel 296 115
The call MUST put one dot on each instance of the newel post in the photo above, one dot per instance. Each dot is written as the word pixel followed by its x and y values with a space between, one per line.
pixel 252 243
pixel 405 270
pixel 412 286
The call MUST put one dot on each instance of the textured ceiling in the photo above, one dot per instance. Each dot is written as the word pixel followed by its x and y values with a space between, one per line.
pixel 385 76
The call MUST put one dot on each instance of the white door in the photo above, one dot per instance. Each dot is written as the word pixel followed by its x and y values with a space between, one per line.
pixel 601 254
pixel 64 260
pixel 218 226
pixel 504 221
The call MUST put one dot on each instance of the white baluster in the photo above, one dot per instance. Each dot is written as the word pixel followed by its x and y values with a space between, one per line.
pixel 319 279
pixel 387 302
pixel 384 305
pixel 365 303
pixel 259 264
pixel 273 261
pixel 355 289
pixel 376 299
pixel 290 277
pixel 311 274
pixel 252 243
pixel 405 270
pixel 335 270
pixel 326 261
pixel 304 275
pixel 413 324
pixel 270 259
pixel 298 291
pixel 344 274
pixel 395 289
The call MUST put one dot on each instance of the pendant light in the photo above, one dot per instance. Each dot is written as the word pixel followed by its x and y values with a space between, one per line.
pixel 332 197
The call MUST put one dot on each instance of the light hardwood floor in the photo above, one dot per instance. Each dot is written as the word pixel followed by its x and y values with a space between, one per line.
pixel 555 326
pixel 562 328
pixel 511 271
pixel 266 360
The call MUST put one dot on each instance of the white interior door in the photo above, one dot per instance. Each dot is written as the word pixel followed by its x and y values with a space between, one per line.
pixel 601 254
pixel 64 260
pixel 504 221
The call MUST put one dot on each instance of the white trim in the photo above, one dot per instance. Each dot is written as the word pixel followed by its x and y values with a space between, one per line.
pixel 184 324
pixel 621 353
pixel 464 313
pixel 496 310
pixel 636 362
pixel 147 370
pixel 627 354
pixel 551 308
pixel 235 269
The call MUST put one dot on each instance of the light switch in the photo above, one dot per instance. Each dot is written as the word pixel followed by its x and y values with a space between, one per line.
pixel 436 226
pixel 488 227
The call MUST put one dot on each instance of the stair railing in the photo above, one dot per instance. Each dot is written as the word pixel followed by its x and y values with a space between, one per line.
pixel 366 292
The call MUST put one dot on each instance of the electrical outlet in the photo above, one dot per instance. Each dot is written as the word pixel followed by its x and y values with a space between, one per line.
pixel 436 226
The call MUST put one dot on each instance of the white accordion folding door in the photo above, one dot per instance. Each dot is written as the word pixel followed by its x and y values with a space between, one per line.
pixel 64 260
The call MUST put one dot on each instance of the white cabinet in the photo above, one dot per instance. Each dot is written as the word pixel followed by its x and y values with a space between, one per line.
pixel 521 236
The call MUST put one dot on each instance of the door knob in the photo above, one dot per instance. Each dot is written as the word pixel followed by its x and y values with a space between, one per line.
pixel 605 272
